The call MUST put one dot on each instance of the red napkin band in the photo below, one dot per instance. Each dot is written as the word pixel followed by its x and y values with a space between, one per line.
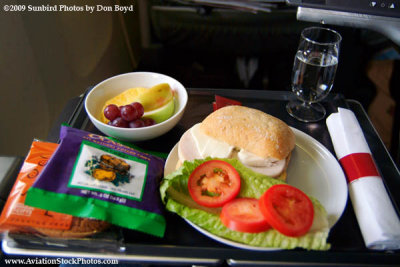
pixel 358 165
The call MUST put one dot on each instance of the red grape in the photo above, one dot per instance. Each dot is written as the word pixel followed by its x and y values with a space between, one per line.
pixel 129 113
pixel 136 124
pixel 139 108
pixel 120 122
pixel 148 121
pixel 111 112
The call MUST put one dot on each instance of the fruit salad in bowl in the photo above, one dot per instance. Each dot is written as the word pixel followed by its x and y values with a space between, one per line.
pixel 140 107
pixel 136 106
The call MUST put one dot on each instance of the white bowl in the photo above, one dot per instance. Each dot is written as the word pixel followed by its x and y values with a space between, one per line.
pixel 113 86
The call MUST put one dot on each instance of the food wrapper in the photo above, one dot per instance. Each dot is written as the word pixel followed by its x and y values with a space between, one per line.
pixel 221 102
pixel 376 216
pixel 91 176
pixel 17 217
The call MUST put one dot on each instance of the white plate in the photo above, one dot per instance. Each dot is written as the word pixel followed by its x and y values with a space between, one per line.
pixel 312 168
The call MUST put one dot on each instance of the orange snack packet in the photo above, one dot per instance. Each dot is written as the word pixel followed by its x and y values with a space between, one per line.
pixel 16 216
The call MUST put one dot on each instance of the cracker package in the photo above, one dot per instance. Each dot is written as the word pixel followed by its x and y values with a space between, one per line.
pixel 16 217
pixel 93 176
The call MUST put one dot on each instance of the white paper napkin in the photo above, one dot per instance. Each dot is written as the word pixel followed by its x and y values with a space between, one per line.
pixel 376 216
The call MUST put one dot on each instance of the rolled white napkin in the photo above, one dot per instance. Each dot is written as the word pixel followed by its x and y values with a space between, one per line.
pixel 376 216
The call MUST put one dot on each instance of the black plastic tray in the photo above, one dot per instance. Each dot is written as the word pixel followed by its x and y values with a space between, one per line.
pixel 185 245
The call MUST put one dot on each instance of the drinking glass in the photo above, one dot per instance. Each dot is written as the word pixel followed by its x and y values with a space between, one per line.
pixel 313 72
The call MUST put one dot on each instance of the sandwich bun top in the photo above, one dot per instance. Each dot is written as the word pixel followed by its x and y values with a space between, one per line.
pixel 253 130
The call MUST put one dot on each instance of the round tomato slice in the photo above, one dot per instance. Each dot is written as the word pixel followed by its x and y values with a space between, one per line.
pixel 287 209
pixel 214 183
pixel 244 215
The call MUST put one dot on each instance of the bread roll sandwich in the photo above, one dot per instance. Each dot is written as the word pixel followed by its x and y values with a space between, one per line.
pixel 260 141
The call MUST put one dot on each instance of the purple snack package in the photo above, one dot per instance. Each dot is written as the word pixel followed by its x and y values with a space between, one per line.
pixel 93 176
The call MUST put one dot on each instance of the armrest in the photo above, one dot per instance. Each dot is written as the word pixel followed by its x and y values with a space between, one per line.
pixel 9 168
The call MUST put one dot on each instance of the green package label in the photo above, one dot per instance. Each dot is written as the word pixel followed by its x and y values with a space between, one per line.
pixel 102 169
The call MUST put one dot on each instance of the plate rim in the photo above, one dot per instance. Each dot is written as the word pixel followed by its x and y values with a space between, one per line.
pixel 333 160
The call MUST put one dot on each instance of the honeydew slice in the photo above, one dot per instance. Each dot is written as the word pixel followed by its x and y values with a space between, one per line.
pixel 163 113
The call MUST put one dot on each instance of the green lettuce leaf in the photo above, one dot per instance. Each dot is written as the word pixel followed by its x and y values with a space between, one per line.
pixel 176 197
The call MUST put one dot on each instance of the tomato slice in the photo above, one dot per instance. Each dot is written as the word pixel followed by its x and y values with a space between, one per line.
pixel 244 215
pixel 214 183
pixel 287 209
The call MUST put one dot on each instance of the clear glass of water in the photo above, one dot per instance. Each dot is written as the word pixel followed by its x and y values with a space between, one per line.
pixel 313 72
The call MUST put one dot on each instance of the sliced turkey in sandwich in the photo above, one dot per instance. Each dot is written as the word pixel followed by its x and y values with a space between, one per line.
pixel 260 141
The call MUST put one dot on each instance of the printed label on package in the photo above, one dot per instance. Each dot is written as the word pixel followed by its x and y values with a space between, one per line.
pixel 108 173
